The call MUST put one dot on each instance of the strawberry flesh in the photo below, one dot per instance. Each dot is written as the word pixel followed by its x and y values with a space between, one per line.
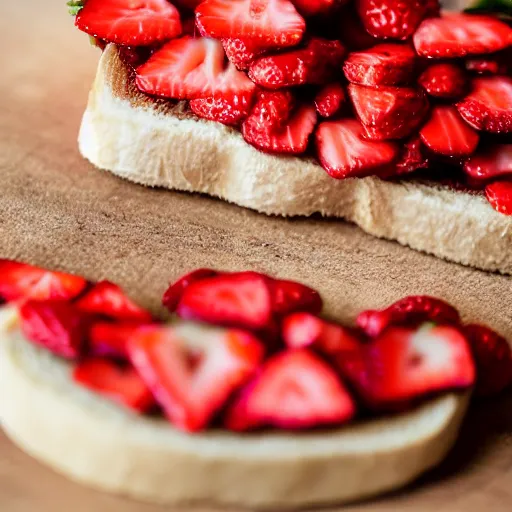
pixel 230 111
pixel 234 300
pixel 121 385
pixel 19 281
pixel 411 310
pixel 394 112
pixel 294 390
pixel 499 194
pixel 135 23
pixel 241 53
pixel 108 339
pixel 173 294
pixel 290 297
pixel 55 325
pixel 493 162
pixel 493 359
pixel 316 63
pixel 383 64
pixel 317 7
pixel 444 80
pixel 108 300
pixel 273 108
pixel 412 158
pixel 458 35
pixel 404 364
pixel 192 394
pixel 448 134
pixel 330 100
pixel 190 68
pixel 265 23
pixel 488 106
pixel 344 154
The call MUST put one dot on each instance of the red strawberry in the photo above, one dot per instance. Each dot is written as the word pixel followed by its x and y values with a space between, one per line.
pixel 411 310
pixel 446 133
pixel 384 64
pixel 330 99
pixel 499 194
pixel 122 385
pixel 111 339
pixel 189 68
pixel 344 154
pixel 316 63
pixel 496 64
pixel 266 23
pixel 444 80
pixel 273 108
pixel 493 162
pixel 107 299
pixel 189 4
pixel 394 112
pixel 403 364
pixel 458 35
pixel 290 297
pixel 55 325
pixel 317 7
pixel 140 23
pixel 20 281
pixel 352 32
pixel 395 19
pixel 173 294
pixel 433 9
pixel 493 359
pixel 232 300
pixel 230 111
pixel 489 105
pixel 241 53
pixel 291 138
pixel 294 390
pixel 193 373
pixel 411 158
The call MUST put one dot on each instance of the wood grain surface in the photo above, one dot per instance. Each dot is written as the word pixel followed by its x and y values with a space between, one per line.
pixel 57 211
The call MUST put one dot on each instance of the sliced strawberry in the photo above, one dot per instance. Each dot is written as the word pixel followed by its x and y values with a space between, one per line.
pixel 446 133
pixel 352 32
pixel 495 64
pixel 489 163
pixel 111 339
pixel 266 23
pixel 233 300
pixel 499 194
pixel 55 325
pixel 404 364
pixel 122 385
pixel 273 108
pixel 411 158
pixel 344 154
pixel 291 138
pixel 193 377
pixel 393 19
pixel 173 294
pixel 290 297
pixel 489 105
pixel 444 80
pixel 395 112
pixel 139 23
pixel 230 110
pixel 189 68
pixel 317 7
pixel 294 390
pixel 189 4
pixel 316 63
pixel 330 99
pixel 241 53
pixel 20 281
pixel 107 299
pixel 383 64
pixel 493 359
pixel 458 35
pixel 411 310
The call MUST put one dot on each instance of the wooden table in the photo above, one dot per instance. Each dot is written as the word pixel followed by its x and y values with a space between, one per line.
pixel 57 211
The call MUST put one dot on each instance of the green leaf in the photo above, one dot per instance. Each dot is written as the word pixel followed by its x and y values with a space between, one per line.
pixel 75 6
pixel 500 7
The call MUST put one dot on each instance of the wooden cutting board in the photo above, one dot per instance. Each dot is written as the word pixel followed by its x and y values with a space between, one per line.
pixel 57 211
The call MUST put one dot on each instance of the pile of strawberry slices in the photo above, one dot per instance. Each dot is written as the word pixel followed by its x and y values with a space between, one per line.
pixel 371 87
pixel 252 352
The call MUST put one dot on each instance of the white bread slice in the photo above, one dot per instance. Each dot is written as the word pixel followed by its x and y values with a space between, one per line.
pixel 99 444
pixel 160 144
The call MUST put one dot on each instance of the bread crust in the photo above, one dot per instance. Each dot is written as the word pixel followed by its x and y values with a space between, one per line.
pixel 158 143
pixel 99 444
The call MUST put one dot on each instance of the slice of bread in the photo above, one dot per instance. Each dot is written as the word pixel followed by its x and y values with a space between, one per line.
pixel 99 444
pixel 159 143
